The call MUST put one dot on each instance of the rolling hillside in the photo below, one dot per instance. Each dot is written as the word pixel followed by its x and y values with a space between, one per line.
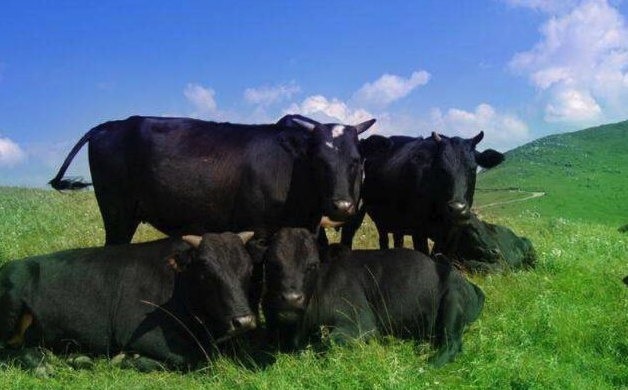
pixel 583 174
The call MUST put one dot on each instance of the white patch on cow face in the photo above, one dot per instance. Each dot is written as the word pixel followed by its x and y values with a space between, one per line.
pixel 337 131
pixel 329 144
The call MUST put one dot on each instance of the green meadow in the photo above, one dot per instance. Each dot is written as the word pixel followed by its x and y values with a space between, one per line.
pixel 563 325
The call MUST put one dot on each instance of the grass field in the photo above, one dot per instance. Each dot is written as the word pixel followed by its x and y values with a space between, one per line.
pixel 563 325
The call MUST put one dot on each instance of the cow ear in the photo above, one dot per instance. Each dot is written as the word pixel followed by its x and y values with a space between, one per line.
pixel 489 158
pixel 375 146
pixel 295 143
pixel 257 248
pixel 179 261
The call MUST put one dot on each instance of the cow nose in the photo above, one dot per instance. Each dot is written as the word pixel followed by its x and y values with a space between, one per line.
pixel 293 299
pixel 243 323
pixel 458 207
pixel 344 206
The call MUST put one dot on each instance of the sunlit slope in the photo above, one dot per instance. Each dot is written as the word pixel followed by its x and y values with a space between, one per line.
pixel 583 174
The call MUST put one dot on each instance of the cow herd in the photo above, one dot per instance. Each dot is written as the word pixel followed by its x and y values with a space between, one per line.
pixel 173 302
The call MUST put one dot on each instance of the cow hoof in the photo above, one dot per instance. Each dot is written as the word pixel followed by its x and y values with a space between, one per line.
pixel 81 362
pixel 44 371
pixel 142 364
pixel 117 360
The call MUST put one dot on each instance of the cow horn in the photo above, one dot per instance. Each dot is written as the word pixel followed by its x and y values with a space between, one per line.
pixel 436 137
pixel 476 140
pixel 362 127
pixel 309 125
pixel 195 241
pixel 245 236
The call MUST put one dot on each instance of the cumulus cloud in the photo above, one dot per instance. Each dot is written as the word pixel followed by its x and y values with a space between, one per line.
pixel 572 105
pixel 203 99
pixel 266 95
pixel 502 131
pixel 389 88
pixel 580 64
pixel 320 108
pixel 10 153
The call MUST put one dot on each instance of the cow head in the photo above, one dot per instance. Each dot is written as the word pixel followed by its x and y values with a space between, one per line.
pixel 217 271
pixel 333 150
pixel 453 174
pixel 291 259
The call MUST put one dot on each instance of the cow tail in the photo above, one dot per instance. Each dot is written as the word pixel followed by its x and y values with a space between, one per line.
pixel 77 183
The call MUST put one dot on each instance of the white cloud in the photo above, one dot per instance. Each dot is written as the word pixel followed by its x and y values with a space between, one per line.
pixel 572 105
pixel 580 65
pixel 320 108
pixel 10 153
pixel 265 96
pixel 203 99
pixel 389 88
pixel 501 131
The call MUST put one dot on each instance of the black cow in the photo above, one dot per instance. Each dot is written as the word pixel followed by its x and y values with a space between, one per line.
pixel 398 292
pixel 290 261
pixel 483 247
pixel 358 294
pixel 169 300
pixel 419 187
pixel 187 176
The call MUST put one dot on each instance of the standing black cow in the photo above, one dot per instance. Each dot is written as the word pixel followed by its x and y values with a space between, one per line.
pixel 187 176
pixel 419 187
pixel 168 300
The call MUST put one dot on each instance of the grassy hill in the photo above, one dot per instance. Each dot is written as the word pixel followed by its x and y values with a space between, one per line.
pixel 563 325
pixel 584 175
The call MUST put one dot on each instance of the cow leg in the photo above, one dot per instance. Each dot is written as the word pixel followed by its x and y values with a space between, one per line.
pixel 166 348
pixel 420 243
pixel 449 328
pixel 11 309
pixel 119 227
pixel 24 322
pixel 119 219
pixel 323 242
pixel 359 326
pixel 33 359
pixel 383 238
pixel 351 227
pixel 398 239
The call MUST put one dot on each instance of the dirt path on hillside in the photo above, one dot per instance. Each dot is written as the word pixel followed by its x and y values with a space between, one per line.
pixel 532 195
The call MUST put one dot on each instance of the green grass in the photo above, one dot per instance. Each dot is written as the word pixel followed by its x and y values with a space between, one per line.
pixel 584 175
pixel 563 325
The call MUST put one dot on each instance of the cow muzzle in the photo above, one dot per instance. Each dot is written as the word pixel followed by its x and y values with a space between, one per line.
pixel 341 210
pixel 241 324
pixel 459 212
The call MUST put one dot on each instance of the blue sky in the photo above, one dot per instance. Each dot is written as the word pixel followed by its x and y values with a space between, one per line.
pixel 517 69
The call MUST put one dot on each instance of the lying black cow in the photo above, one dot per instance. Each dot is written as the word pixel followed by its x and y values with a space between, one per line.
pixel 483 247
pixel 364 293
pixel 168 300
pixel 290 260
pixel 419 187
pixel 187 176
